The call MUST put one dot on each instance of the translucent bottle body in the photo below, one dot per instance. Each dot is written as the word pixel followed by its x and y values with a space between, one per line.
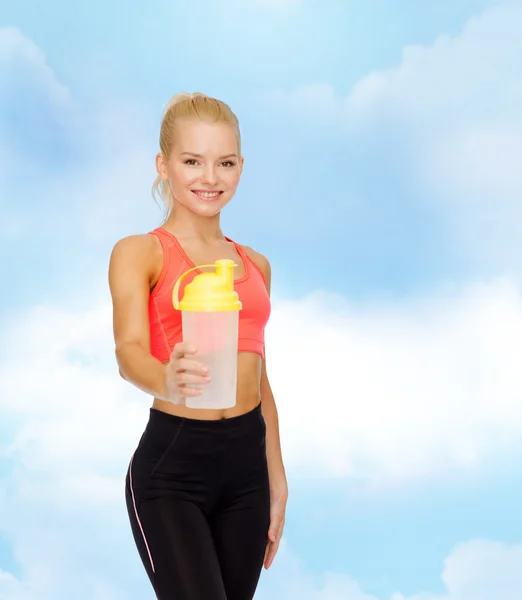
pixel 215 336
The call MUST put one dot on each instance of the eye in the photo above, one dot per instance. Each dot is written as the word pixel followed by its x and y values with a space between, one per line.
pixel 228 163
pixel 191 161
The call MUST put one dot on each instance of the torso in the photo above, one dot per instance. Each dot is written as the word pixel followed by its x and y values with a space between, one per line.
pixel 248 396
pixel 249 364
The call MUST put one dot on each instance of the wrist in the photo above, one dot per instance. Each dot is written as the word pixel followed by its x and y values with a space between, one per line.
pixel 278 488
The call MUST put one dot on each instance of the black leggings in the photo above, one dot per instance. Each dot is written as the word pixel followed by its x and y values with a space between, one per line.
pixel 199 505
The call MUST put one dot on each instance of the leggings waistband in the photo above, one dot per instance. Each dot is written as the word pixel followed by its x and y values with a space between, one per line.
pixel 160 417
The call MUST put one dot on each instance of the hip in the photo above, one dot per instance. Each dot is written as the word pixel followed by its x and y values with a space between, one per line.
pixel 200 459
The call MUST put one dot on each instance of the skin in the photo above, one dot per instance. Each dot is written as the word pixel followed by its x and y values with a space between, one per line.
pixel 203 158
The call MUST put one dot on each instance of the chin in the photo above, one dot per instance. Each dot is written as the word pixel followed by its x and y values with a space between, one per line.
pixel 205 209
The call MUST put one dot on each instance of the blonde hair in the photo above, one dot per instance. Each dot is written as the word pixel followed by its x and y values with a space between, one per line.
pixel 188 106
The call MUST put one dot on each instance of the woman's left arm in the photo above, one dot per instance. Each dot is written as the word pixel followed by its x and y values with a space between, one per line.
pixel 276 470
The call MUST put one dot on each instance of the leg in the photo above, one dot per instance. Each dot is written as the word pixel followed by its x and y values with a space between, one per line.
pixel 240 536
pixel 240 520
pixel 176 547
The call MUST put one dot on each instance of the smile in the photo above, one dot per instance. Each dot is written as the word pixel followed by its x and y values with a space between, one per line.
pixel 206 195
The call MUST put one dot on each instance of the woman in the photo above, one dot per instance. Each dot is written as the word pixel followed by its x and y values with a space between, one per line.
pixel 206 490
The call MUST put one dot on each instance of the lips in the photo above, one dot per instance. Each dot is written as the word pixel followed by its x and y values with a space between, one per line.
pixel 207 195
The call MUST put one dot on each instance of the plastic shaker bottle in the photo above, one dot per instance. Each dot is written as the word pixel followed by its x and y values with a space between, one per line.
pixel 210 320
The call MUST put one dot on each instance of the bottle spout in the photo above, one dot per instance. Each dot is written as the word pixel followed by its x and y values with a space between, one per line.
pixel 225 269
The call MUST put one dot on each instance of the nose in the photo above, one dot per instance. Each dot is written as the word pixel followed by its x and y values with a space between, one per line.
pixel 209 175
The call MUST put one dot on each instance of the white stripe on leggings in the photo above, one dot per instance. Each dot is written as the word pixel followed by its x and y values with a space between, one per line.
pixel 137 517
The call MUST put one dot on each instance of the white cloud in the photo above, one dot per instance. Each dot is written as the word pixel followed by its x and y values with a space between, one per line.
pixel 457 76
pixel 479 570
pixel 451 116
pixel 288 580
pixel 381 394
pixel 474 570
pixel 105 192
pixel 28 90
pixel 18 54
pixel 392 392
pixel 10 587
pixel 77 423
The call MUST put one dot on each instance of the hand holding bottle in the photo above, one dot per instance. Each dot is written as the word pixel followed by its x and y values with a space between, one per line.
pixel 185 376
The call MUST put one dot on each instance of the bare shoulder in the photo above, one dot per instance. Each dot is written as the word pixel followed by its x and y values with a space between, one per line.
pixel 136 246
pixel 260 260
pixel 137 253
pixel 133 265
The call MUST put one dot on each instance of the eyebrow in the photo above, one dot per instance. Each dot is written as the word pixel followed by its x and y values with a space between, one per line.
pixel 200 156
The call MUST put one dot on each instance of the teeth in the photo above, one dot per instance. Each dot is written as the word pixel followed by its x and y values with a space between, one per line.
pixel 208 194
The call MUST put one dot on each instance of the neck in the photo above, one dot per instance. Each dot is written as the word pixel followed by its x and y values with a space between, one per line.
pixel 185 224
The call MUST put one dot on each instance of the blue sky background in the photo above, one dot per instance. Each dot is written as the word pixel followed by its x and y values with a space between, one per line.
pixel 382 179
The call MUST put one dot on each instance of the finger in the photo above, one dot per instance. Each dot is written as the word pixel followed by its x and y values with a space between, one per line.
pixel 181 349
pixel 272 551
pixel 180 392
pixel 275 527
pixel 268 544
pixel 186 364
pixel 189 391
pixel 267 553
pixel 188 379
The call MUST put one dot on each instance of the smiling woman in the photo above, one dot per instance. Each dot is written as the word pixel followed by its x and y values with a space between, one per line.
pixel 198 135
pixel 206 489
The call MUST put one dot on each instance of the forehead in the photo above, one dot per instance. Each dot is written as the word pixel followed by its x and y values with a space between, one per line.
pixel 195 135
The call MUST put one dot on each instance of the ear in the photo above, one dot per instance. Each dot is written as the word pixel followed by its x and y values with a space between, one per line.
pixel 161 167
pixel 241 163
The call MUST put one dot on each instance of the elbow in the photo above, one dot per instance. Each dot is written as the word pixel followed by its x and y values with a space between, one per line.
pixel 118 357
pixel 126 354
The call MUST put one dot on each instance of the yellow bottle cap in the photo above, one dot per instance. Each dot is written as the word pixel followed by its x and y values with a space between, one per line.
pixel 209 292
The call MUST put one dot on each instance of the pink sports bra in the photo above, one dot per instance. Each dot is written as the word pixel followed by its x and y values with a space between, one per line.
pixel 165 320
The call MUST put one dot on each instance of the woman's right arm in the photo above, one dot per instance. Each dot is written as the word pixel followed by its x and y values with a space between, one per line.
pixel 133 265
pixel 135 262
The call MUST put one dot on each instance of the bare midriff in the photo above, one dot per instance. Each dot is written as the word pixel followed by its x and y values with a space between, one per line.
pixel 247 398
